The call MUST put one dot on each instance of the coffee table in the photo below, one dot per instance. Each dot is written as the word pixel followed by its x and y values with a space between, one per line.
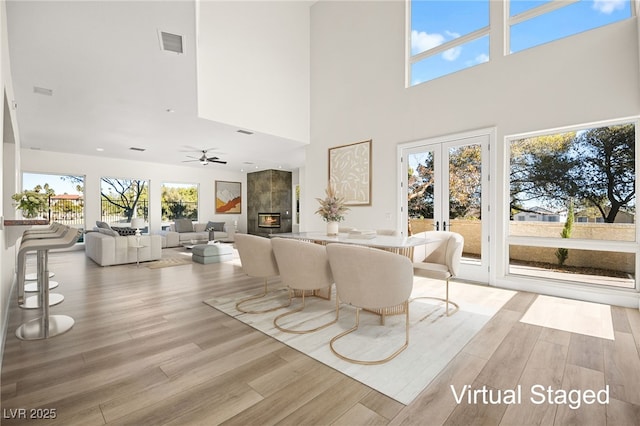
pixel 189 245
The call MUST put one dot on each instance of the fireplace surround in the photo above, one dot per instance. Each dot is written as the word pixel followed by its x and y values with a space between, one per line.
pixel 268 220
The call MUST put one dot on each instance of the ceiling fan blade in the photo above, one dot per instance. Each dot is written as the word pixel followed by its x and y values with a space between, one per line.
pixel 194 149
pixel 189 161
pixel 218 161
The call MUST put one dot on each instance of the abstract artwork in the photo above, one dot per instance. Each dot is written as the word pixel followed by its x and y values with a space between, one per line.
pixel 350 172
pixel 228 197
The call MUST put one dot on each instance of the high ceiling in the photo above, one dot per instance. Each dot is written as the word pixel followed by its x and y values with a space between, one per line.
pixel 91 78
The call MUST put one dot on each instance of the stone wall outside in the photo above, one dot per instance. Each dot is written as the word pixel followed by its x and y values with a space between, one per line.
pixel 470 230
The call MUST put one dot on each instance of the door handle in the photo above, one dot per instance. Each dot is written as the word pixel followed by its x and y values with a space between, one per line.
pixel 437 225
pixel 444 226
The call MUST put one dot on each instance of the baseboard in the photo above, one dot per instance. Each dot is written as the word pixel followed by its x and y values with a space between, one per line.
pixel 5 319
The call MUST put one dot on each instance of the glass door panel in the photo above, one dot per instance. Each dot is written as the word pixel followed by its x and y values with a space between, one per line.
pixel 445 184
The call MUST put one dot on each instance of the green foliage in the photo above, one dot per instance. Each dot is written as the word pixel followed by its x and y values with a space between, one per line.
pixel 595 168
pixel 562 254
pixel 179 201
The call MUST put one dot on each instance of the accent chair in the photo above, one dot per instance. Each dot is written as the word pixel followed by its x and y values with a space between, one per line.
pixel 258 260
pixel 439 259
pixel 373 279
pixel 304 268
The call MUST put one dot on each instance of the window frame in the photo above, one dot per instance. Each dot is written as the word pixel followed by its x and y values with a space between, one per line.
pixel 451 44
pixel 632 247
pixel 551 6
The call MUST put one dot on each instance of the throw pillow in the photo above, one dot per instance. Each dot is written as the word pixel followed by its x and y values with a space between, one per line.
pixel 184 225
pixel 124 231
pixel 215 226
pixel 109 232
pixel 102 225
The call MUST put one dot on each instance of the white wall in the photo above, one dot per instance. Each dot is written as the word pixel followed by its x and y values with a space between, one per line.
pixel 253 65
pixel 10 160
pixel 358 93
pixel 94 168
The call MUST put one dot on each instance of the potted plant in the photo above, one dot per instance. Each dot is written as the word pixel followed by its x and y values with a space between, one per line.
pixel 30 203
pixel 332 209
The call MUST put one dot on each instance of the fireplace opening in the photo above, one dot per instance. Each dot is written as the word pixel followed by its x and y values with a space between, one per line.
pixel 268 220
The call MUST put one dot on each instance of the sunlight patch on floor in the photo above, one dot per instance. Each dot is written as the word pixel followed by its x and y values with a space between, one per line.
pixel 591 319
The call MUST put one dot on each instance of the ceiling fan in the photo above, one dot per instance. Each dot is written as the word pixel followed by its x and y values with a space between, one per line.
pixel 204 160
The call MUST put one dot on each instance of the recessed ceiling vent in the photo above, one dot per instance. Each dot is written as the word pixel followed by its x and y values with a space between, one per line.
pixel 133 148
pixel 171 42
pixel 42 91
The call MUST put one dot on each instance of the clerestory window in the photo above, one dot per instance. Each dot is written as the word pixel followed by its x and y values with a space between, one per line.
pixel 446 36
pixel 532 23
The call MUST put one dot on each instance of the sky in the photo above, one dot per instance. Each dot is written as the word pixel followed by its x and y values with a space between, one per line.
pixel 436 22
pixel 30 180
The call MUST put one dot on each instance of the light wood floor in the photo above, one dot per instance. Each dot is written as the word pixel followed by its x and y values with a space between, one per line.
pixel 145 349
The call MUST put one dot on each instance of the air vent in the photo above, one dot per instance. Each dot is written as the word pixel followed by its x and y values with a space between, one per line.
pixel 245 132
pixel 171 42
pixel 42 91
pixel 133 148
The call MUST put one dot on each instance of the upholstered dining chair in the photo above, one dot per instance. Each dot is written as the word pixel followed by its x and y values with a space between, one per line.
pixel 439 259
pixel 257 259
pixel 304 268
pixel 372 279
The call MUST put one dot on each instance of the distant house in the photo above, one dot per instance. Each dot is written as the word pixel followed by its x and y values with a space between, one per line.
pixel 621 217
pixel 540 214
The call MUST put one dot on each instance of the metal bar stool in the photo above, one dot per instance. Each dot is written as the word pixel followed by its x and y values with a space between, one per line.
pixel 47 325
pixel 29 246
pixel 56 231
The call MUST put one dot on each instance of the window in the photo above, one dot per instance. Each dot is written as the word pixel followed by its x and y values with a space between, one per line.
pixel 572 205
pixel 532 23
pixel 63 197
pixel 179 200
pixel 123 199
pixel 447 36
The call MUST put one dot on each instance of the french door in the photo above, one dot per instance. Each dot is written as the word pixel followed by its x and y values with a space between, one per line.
pixel 445 188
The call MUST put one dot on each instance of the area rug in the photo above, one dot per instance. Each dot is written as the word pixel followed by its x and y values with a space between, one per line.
pixel 170 261
pixel 591 319
pixel 434 338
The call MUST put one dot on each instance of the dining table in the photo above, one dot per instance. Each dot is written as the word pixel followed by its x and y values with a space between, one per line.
pixel 393 243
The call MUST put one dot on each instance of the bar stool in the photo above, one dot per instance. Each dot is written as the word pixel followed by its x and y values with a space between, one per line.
pixel 33 301
pixel 47 325
pixel 56 230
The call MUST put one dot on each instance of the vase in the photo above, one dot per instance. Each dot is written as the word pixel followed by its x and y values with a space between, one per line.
pixel 332 228
pixel 29 214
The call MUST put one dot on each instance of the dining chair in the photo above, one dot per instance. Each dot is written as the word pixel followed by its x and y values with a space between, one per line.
pixel 304 268
pixel 440 259
pixel 258 260
pixel 373 279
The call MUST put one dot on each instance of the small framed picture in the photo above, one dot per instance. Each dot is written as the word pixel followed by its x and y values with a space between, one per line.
pixel 228 197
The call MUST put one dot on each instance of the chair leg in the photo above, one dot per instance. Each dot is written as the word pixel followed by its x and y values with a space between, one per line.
pixel 446 301
pixel 289 330
pixel 355 327
pixel 259 296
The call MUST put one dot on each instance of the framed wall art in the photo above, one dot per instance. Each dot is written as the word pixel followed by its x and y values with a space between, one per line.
pixel 228 197
pixel 350 172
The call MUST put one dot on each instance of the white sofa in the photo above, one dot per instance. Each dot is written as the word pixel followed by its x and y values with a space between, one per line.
pixel 108 250
pixel 185 232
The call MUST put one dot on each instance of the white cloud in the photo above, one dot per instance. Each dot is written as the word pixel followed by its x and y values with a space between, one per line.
pixel 421 41
pixel 452 54
pixel 608 6
pixel 481 58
